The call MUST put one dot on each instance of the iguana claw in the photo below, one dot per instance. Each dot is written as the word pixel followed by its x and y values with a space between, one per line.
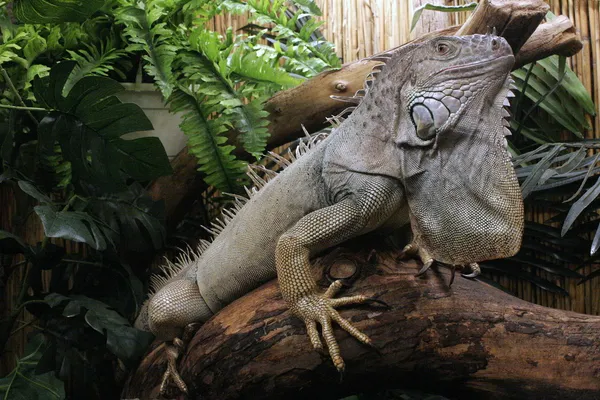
pixel 475 271
pixel 412 249
pixel 314 308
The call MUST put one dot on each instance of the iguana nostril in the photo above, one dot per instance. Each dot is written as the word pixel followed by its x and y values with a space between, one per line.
pixel 495 44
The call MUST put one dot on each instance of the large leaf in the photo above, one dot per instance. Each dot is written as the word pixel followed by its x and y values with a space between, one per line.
pixel 577 208
pixel 55 11
pixel 88 123
pixel 132 214
pixel 122 339
pixel 71 225
pixel 24 383
pixel 11 244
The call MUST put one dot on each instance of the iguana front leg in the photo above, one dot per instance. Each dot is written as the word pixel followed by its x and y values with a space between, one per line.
pixel 323 228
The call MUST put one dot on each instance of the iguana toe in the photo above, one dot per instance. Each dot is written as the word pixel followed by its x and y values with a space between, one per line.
pixel 173 350
pixel 316 309
pixel 475 271
pixel 412 250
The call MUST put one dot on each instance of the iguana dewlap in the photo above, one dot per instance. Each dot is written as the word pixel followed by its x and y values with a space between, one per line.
pixel 426 146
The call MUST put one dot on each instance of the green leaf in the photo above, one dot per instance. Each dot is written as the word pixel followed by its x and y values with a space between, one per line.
pixel 251 65
pixel 147 32
pixel 123 340
pixel 577 208
pixel 88 123
pixel 55 11
pixel 34 192
pixel 134 215
pixel 206 142
pixel 114 121
pixel 536 174
pixel 96 60
pixel 71 225
pixel 570 83
pixel 308 6
pixel 251 121
pixel 24 383
pixel 143 158
pixel 11 244
pixel 436 7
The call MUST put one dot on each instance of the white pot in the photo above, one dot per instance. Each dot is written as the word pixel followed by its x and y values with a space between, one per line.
pixel 166 125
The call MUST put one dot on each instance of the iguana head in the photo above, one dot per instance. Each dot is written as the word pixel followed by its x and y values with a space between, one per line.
pixel 464 198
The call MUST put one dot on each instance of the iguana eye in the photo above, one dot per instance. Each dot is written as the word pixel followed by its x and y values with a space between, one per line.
pixel 442 48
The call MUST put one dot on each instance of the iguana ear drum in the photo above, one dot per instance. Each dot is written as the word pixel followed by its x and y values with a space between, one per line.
pixel 428 116
pixel 423 120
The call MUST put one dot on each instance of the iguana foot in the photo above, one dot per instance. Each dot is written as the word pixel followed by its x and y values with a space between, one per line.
pixel 173 351
pixel 315 308
pixel 411 250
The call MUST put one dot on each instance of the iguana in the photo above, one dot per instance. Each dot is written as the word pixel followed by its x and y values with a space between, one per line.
pixel 425 147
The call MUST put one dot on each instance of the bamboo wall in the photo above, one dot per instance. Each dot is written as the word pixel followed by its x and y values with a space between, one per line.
pixel 359 28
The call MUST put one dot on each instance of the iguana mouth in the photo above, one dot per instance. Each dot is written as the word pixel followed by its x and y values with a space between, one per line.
pixel 476 63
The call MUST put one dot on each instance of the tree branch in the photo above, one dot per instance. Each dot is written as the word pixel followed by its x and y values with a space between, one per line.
pixel 466 341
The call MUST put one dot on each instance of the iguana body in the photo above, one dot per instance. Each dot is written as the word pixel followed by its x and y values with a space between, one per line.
pixel 425 148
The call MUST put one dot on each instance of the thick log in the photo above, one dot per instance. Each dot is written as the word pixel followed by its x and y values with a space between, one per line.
pixel 469 340
pixel 310 104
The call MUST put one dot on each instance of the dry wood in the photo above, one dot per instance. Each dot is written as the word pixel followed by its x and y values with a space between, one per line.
pixel 309 104
pixel 466 341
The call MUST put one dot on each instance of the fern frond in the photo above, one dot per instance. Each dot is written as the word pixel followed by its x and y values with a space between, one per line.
pixel 251 121
pixel 146 32
pixel 95 61
pixel 211 69
pixel 250 64
pixel 294 33
pixel 206 142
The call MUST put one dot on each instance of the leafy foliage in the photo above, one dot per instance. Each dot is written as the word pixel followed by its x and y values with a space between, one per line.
pixel 26 382
pixel 146 30
pixel 220 83
pixel 55 11
pixel 75 125
pixel 61 144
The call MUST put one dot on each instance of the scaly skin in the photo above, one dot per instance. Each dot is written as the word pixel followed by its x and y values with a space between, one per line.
pixel 425 147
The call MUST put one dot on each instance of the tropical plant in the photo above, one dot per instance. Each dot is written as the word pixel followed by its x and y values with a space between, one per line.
pixel 65 152
pixel 220 83
pixel 64 155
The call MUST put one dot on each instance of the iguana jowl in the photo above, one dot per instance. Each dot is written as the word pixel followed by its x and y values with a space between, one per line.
pixel 425 147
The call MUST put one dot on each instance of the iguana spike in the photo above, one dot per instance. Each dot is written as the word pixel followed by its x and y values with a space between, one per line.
pixel 505 113
pixel 506 103
pixel 507 131
pixel 203 245
pixel 510 94
pixel 257 180
pixel 282 162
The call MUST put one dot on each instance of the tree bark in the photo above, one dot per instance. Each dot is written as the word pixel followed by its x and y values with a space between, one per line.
pixel 310 104
pixel 469 340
